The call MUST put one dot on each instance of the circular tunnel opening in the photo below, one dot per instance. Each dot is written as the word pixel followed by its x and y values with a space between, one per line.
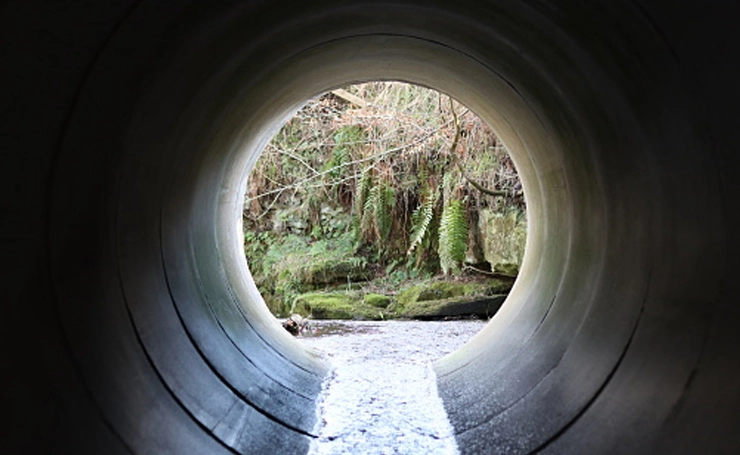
pixel 337 69
pixel 273 99
pixel 413 61
pixel 215 374
pixel 391 203
pixel 216 307
pixel 376 197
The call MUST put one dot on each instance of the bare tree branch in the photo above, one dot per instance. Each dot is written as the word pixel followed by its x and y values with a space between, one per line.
pixel 453 147
pixel 294 156
pixel 332 169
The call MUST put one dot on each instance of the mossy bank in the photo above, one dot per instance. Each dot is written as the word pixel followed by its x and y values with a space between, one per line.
pixel 430 299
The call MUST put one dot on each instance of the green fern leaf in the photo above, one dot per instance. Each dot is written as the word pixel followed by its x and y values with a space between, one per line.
pixel 367 222
pixel 453 236
pixel 421 220
pixel 383 210
pixel 361 194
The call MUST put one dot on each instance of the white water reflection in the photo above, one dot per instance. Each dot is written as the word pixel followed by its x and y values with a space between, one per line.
pixel 382 398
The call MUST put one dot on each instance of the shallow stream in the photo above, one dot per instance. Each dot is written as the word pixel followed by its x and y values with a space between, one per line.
pixel 382 396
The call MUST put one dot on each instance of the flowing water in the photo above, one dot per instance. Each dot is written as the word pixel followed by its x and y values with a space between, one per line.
pixel 382 396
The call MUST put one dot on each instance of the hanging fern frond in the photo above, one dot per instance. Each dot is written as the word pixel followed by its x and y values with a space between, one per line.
pixel 366 182
pixel 383 210
pixel 367 217
pixel 361 195
pixel 453 236
pixel 421 220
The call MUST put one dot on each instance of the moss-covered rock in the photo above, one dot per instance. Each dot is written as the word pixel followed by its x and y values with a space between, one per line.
pixel 500 285
pixel 408 295
pixel 439 290
pixel 336 270
pixel 451 298
pixel 335 305
pixel 504 234
pixel 377 300
pixel 482 307
pixel 506 269
pixel 446 289
pixel 330 305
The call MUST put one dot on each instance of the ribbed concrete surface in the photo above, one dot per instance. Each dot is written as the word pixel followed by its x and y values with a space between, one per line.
pixel 129 323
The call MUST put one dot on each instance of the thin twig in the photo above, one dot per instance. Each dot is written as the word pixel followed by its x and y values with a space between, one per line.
pixel 347 164
pixel 453 147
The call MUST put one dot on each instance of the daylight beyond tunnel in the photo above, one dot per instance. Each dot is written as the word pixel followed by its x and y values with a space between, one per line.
pixel 358 164
pixel 131 323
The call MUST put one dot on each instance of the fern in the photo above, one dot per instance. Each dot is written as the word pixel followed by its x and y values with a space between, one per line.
pixel 361 195
pixel 366 181
pixel 383 210
pixel 367 218
pixel 453 236
pixel 421 220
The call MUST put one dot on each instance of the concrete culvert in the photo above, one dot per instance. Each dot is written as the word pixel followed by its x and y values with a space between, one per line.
pixel 130 323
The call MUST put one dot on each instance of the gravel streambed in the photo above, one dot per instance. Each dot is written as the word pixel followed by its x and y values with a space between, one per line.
pixel 382 396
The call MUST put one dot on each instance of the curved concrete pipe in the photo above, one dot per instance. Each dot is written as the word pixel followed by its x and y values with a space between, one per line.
pixel 130 323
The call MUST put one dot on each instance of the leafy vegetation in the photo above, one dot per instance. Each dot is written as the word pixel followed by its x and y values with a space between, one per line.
pixel 453 236
pixel 372 186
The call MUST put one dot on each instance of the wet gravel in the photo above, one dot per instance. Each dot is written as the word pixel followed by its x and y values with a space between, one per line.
pixel 382 396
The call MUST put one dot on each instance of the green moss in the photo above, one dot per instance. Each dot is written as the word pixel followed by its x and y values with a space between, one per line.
pixel 377 300
pixel 409 294
pixel 334 270
pixel 443 290
pixel 482 306
pixel 506 269
pixel 499 285
pixel 446 289
pixel 505 235
pixel 335 305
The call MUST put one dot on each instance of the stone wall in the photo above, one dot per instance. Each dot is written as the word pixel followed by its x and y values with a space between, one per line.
pixel 504 236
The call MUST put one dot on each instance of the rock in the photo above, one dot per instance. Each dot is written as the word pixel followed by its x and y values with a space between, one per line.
pixel 481 307
pixel 336 305
pixel 504 234
pixel 295 324
pixel 377 300
pixel 440 290
pixel 336 271
pixel 440 299
pixel 506 269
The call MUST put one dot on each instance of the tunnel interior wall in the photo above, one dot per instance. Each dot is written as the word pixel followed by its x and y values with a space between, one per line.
pixel 131 324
